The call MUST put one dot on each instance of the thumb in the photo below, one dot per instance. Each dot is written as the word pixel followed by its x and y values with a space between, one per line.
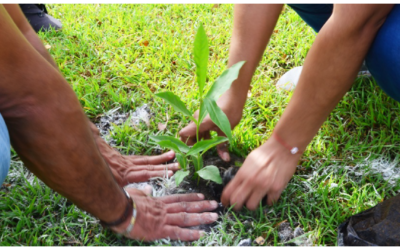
pixel 188 134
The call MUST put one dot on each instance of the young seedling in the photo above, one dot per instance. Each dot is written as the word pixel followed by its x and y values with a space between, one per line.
pixel 208 106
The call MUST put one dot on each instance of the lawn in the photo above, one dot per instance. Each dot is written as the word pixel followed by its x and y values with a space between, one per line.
pixel 120 55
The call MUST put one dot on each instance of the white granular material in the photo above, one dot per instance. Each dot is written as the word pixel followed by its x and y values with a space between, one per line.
pixel 389 170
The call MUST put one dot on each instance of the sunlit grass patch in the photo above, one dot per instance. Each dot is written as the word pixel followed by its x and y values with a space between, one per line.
pixel 120 55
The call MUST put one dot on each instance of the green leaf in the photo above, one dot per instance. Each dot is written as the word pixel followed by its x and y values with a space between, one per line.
pixel 175 102
pixel 224 81
pixel 168 144
pixel 210 173
pixel 201 57
pixel 203 112
pixel 180 175
pixel 182 160
pixel 182 146
pixel 198 164
pixel 206 145
pixel 218 117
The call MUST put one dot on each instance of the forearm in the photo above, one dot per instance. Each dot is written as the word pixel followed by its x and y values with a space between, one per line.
pixel 29 33
pixel 253 26
pixel 329 70
pixel 48 129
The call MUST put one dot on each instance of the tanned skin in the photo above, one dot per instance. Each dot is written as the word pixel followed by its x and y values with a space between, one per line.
pixel 52 136
pixel 126 169
pixel 329 71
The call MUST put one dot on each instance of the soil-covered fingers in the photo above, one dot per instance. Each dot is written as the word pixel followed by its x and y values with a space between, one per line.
pixel 188 220
pixel 145 175
pixel 231 187
pixel 240 195
pixel 192 206
pixel 172 166
pixel 182 234
pixel 181 198
pixel 152 160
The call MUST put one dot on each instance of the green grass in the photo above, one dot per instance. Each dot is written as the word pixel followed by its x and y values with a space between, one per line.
pixel 101 51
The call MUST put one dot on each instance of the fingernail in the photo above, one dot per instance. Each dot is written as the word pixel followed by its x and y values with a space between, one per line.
pixel 170 173
pixel 177 165
pixel 171 153
pixel 201 196
pixel 202 233
pixel 214 216
pixel 225 156
pixel 214 204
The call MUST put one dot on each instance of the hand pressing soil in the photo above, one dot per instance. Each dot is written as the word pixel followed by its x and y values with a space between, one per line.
pixel 131 168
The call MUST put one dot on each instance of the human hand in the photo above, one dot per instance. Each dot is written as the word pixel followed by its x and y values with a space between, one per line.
pixel 132 168
pixel 234 113
pixel 166 217
pixel 266 171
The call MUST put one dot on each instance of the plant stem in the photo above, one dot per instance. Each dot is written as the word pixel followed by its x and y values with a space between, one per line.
pixel 198 119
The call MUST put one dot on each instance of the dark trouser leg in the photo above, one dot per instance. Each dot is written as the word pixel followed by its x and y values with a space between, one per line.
pixel 314 15
pixel 383 58
pixel 38 17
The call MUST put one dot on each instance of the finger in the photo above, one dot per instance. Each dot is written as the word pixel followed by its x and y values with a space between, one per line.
pixel 230 188
pixel 222 150
pixel 256 196
pixel 189 220
pixel 172 166
pixel 273 198
pixel 144 175
pixel 188 134
pixel 240 196
pixel 181 198
pixel 191 207
pixel 152 160
pixel 182 234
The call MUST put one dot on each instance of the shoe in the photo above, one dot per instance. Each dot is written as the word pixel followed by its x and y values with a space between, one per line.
pixel 38 17
pixel 289 80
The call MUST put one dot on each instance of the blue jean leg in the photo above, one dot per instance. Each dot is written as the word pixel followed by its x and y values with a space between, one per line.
pixel 383 58
pixel 4 150
pixel 314 15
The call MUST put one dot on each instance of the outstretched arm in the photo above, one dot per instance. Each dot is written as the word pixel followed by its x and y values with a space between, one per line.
pixel 48 128
pixel 49 131
pixel 29 33
pixel 253 25
pixel 329 71
pixel 126 169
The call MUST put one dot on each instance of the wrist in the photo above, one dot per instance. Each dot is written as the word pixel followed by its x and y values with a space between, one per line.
pixel 291 148
pixel 278 150
pixel 121 210
pixel 232 105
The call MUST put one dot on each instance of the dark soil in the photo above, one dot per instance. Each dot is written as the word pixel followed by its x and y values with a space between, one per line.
pixel 210 189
